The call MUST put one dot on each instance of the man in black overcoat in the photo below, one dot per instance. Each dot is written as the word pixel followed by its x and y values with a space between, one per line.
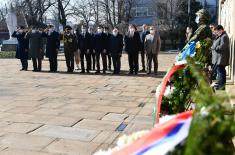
pixel 84 47
pixel 22 47
pixel 115 47
pixel 133 48
pixel 100 47
pixel 52 46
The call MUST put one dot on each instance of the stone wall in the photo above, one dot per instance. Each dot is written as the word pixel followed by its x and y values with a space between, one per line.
pixel 226 18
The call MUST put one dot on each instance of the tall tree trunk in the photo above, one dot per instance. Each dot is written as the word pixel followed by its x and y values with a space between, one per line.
pixel 62 16
pixel 114 12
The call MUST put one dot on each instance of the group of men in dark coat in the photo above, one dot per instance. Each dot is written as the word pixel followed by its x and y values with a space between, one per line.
pixel 89 47
pixel 31 43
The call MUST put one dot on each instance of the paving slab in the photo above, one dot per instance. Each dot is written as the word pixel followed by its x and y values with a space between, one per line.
pixel 10 151
pixel 97 124
pixel 20 127
pixel 72 147
pixel 25 141
pixel 66 133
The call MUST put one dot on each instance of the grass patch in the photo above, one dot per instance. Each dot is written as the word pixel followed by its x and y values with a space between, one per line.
pixel 7 54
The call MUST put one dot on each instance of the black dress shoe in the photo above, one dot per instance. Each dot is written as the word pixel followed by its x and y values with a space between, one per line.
pixel 97 72
pixel 130 73
pixel 149 73
pixel 104 71
pixel 82 71
pixel 143 70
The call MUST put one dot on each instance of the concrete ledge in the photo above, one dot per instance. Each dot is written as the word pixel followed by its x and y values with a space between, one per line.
pixel 8 47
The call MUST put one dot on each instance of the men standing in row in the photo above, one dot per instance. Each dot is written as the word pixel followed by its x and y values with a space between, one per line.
pixel 70 46
pixel 52 46
pixel 22 47
pixel 132 47
pixel 142 38
pixel 84 47
pixel 152 48
pixel 108 35
pixel 35 48
pixel 115 47
pixel 100 47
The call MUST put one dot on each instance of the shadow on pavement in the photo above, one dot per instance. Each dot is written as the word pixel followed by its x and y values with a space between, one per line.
pixel 160 74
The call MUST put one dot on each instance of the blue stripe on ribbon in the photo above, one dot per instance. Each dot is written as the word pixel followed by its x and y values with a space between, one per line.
pixel 168 137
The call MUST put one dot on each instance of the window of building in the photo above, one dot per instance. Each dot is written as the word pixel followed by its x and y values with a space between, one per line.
pixel 144 11
pixel 141 11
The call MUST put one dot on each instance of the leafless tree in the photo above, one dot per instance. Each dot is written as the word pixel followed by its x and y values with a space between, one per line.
pixel 84 11
pixel 115 12
pixel 34 10
pixel 63 11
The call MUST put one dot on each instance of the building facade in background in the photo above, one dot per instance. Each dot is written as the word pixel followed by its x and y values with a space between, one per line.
pixel 143 12
pixel 226 12
pixel 149 11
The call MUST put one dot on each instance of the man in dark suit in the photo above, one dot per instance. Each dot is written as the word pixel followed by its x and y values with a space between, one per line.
pixel 115 47
pixel 100 47
pixel 91 48
pixel 108 35
pixel 142 38
pixel 52 46
pixel 132 47
pixel 83 46
pixel 22 47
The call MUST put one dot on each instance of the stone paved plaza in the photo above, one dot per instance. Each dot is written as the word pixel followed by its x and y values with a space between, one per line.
pixel 46 113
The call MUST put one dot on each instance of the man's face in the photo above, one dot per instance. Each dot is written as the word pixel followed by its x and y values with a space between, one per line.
pixel 99 30
pixel 219 32
pixel 115 30
pixel 145 27
pixel 67 30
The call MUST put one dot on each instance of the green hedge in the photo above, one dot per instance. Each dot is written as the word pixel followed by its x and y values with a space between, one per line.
pixel 7 54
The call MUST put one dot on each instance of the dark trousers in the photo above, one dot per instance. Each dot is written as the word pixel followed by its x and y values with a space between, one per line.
pixel 221 75
pixel 84 55
pixel 214 72
pixel 24 63
pixel 143 59
pixel 37 64
pixel 104 60
pixel 93 62
pixel 109 61
pixel 116 63
pixel 69 57
pixel 152 58
pixel 53 63
pixel 133 59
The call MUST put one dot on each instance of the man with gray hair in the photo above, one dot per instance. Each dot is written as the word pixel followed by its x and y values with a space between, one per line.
pixel 152 47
